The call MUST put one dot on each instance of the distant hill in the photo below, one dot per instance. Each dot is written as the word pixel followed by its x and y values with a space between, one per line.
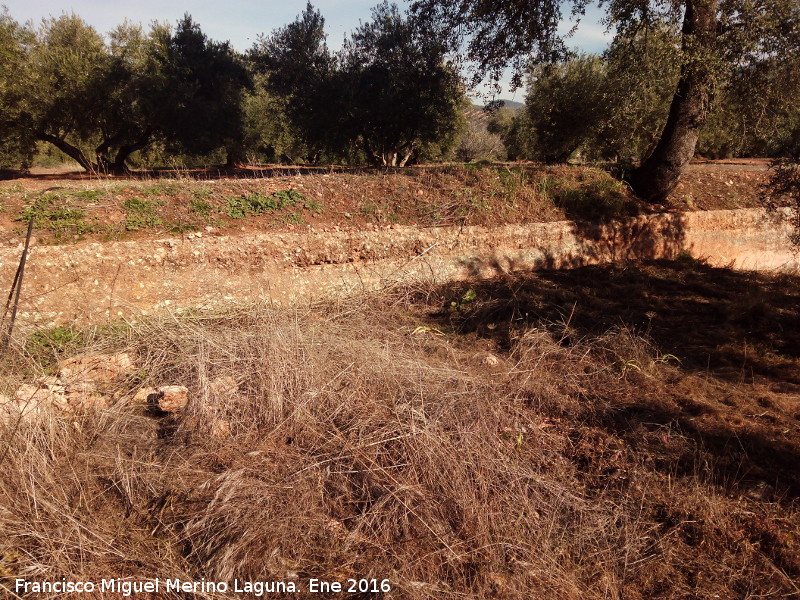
pixel 475 113
pixel 513 105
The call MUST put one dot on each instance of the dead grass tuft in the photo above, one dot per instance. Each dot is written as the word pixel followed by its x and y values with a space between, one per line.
pixel 371 439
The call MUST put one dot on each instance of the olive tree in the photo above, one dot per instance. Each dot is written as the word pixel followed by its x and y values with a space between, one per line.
pixel 16 143
pixel 715 36
pixel 99 100
pixel 299 73
pixel 404 99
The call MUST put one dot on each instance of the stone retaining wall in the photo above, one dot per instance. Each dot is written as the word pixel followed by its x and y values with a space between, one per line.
pixel 92 282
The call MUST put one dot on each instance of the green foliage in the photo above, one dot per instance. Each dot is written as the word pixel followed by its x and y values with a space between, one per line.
pixel 608 107
pixel 565 107
pixel 200 206
pixel 783 188
pixel 312 206
pixel 301 83
pixel 256 204
pixel 270 134
pixel 100 101
pixel 756 111
pixel 600 198
pixel 460 303
pixel 549 185
pixel 56 340
pixel 204 83
pixel 394 95
pixel 141 214
pixel 404 99
pixel 16 142
pixel 642 75
pixel 89 195
pixel 162 188
pixel 293 218
pixel 388 96
pixel 368 209
pixel 477 143
pixel 51 211
pixel 513 128
pixel 716 38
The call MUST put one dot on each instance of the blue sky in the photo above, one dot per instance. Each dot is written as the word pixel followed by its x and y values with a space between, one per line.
pixel 241 21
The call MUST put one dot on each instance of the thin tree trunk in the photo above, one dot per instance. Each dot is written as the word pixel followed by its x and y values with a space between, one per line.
pixel 73 152
pixel 407 156
pixel 658 175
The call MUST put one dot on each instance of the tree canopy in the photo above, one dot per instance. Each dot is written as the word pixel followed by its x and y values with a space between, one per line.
pixel 403 97
pixel 715 37
pixel 16 143
pixel 389 94
pixel 395 93
pixel 100 99
pixel 301 72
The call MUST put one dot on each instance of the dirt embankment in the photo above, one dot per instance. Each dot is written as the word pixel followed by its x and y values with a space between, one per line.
pixel 72 207
pixel 126 248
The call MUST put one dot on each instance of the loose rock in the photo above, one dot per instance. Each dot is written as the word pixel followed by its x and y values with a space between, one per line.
pixel 172 398
pixel 99 370
pixel 490 360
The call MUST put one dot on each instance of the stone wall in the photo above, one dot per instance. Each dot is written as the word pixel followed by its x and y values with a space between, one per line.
pixel 92 282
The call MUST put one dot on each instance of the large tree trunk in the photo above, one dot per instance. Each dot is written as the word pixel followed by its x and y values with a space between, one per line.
pixel 118 167
pixel 234 157
pixel 658 175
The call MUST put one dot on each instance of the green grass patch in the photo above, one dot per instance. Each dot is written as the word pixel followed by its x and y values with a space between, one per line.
pixel 293 218
pixel 162 188
pixel 88 195
pixel 182 228
pixel 54 341
pixel 257 204
pixel 368 209
pixel 141 214
pixel 200 206
pixel 52 212
pixel 312 206
pixel 548 185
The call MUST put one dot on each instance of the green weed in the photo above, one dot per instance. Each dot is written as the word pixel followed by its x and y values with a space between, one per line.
pixel 141 214
pixel 88 195
pixel 200 206
pixel 202 193
pixel 368 210
pixel 182 227
pixel 162 188
pixel 549 185
pixel 293 218
pixel 49 211
pixel 469 296
pixel 257 204
pixel 313 206
pixel 56 340
pixel 602 198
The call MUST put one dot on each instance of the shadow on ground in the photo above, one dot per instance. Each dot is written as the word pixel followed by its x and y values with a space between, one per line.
pixel 738 325
pixel 734 394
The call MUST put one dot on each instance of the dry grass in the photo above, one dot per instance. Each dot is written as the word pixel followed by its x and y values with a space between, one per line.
pixel 372 439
